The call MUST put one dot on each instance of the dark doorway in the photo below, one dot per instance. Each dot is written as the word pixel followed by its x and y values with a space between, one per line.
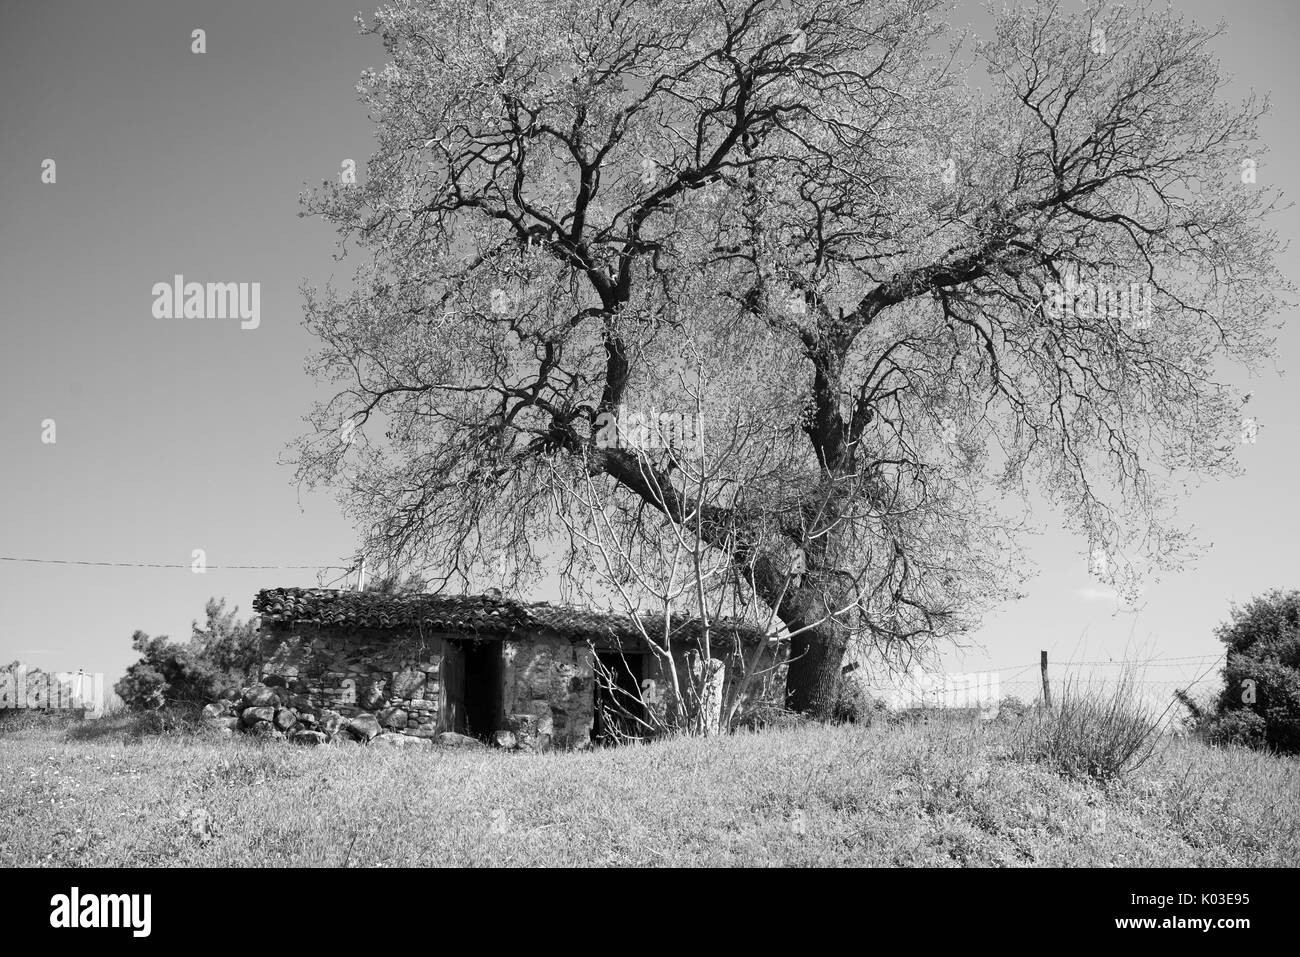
pixel 619 711
pixel 483 706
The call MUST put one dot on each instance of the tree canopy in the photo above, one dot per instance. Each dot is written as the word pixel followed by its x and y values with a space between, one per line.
pixel 893 275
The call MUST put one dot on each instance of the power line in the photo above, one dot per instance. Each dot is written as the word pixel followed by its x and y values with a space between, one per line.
pixel 67 561
pixel 1121 661
pixel 1143 661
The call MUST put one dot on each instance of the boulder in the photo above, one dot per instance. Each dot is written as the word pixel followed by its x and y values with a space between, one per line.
pixel 371 695
pixel 260 696
pixel 450 739
pixel 408 684
pixel 535 742
pixel 524 725
pixel 505 739
pixel 222 709
pixel 300 702
pixel 310 738
pixel 363 726
pixel 532 731
pixel 329 721
pixel 391 739
pixel 265 729
pixel 393 718
pixel 273 681
pixel 285 719
pixel 222 725
pixel 308 719
pixel 252 715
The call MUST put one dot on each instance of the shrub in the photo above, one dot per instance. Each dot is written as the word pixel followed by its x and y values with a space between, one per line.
pixel 1260 702
pixel 1238 727
pixel 854 704
pixel 218 657
pixel 1197 717
pixel 1098 733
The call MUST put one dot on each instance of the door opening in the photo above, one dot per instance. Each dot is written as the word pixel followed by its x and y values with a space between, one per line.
pixel 619 711
pixel 483 708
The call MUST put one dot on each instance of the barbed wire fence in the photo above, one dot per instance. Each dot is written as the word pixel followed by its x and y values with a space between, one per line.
pixel 1153 681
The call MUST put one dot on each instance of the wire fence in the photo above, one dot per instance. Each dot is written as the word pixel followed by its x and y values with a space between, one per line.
pixel 1153 682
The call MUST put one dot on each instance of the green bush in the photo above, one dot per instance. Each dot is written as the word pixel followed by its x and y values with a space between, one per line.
pixel 1260 702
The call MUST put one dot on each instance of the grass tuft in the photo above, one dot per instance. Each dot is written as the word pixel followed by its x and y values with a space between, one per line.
pixel 1102 733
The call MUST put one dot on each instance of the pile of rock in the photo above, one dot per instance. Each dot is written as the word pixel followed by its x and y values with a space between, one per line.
pixel 278 712
pixel 525 732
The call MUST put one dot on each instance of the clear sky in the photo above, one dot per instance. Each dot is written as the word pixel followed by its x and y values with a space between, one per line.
pixel 168 433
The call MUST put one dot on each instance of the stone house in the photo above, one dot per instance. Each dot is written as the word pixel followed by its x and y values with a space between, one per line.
pixel 482 664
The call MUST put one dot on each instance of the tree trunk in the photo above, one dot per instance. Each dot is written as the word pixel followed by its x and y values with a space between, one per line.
pixel 812 680
pixel 817 654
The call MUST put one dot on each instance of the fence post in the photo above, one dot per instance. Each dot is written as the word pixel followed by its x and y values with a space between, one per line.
pixel 1047 687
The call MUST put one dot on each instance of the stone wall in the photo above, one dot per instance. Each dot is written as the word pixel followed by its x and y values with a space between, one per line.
pixel 410 682
pixel 549 689
pixel 396 683
pixel 394 675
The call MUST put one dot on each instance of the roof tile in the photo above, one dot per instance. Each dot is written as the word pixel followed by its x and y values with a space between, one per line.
pixel 477 615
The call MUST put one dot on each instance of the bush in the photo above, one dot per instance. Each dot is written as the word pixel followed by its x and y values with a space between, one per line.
pixel 1238 727
pixel 1260 702
pixel 1197 717
pixel 1098 733
pixel 221 656
pixel 854 704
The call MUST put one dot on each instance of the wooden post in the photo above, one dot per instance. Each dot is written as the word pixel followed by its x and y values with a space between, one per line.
pixel 1047 687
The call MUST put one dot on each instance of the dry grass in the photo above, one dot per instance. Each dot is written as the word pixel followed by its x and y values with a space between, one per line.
pixel 924 793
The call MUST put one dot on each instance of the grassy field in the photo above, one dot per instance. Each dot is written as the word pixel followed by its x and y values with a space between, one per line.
pixel 926 793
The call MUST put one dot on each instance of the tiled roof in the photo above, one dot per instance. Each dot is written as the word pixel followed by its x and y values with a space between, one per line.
pixel 476 615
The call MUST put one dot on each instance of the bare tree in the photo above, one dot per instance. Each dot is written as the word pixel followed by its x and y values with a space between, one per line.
pixel 684 595
pixel 908 276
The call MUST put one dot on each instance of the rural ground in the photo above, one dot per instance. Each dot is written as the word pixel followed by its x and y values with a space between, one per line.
pixel 930 792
